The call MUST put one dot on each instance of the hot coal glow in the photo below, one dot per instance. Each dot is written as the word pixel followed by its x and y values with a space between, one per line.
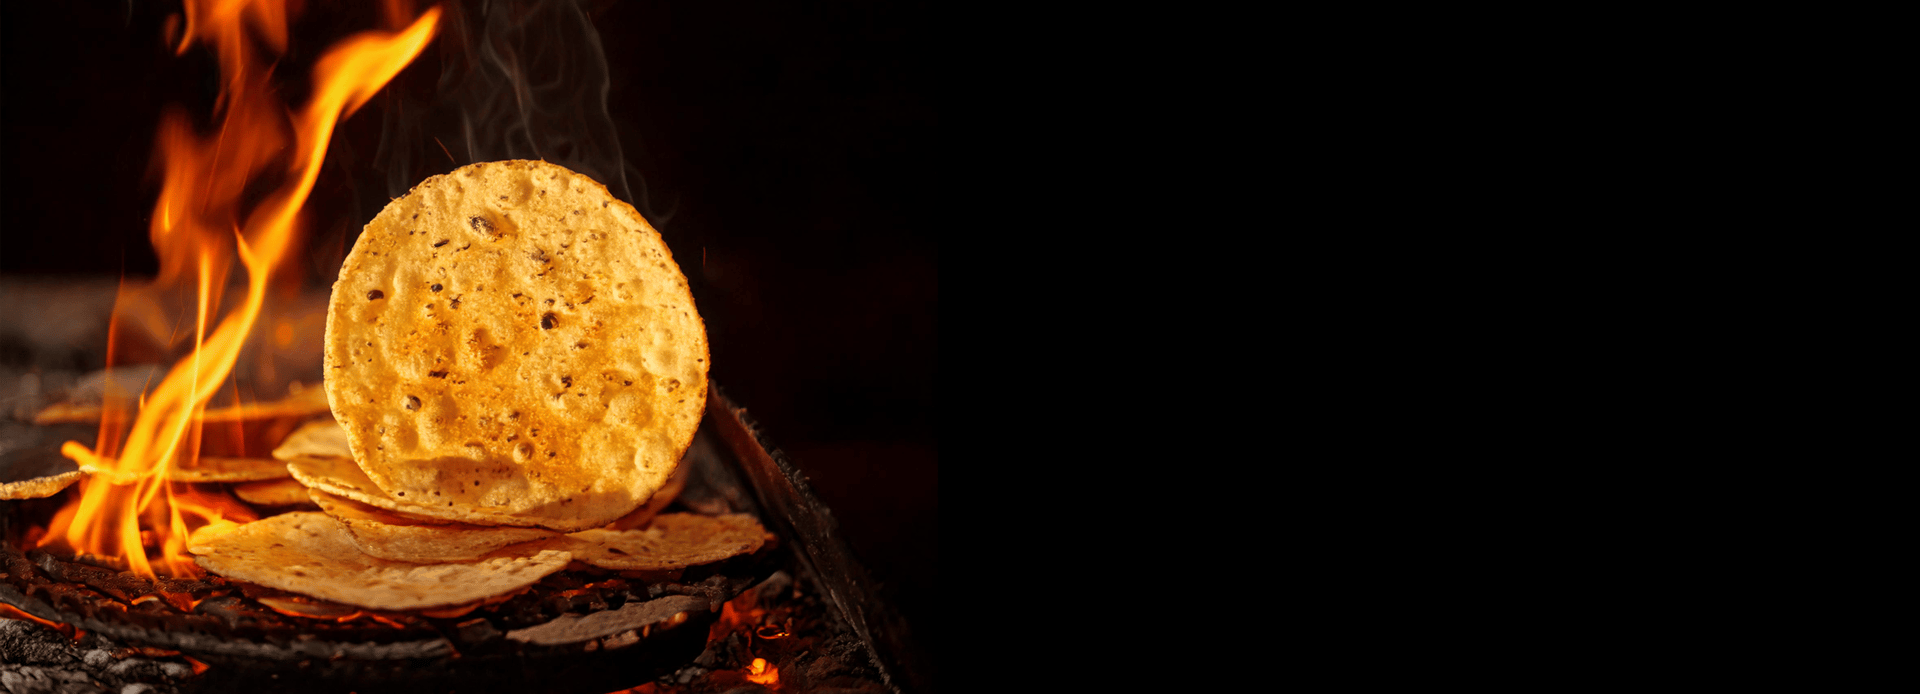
pixel 207 217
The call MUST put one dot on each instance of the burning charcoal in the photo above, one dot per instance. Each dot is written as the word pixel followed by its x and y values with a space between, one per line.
pixel 225 607
pixel 53 568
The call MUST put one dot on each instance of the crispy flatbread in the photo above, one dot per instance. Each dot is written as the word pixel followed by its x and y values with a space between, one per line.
pixel 673 541
pixel 320 437
pixel 661 499
pixel 512 337
pixel 389 536
pixel 340 477
pixel 286 492
pixel 209 469
pixel 40 487
pixel 302 401
pixel 313 554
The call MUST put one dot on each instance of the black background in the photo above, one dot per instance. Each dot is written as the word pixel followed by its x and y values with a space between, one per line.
pixel 785 151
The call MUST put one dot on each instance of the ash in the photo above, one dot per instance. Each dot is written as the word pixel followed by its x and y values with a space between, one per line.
pixel 39 659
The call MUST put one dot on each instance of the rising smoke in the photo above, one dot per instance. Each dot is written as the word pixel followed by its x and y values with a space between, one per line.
pixel 515 79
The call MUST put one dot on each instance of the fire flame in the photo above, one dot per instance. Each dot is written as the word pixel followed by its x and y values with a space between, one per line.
pixel 201 222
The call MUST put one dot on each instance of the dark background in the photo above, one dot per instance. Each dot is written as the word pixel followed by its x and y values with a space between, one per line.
pixel 785 154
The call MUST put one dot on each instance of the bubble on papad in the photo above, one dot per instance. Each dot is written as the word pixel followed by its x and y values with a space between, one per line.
pixel 320 437
pixel 389 536
pixel 514 337
pixel 313 554
pixel 210 469
pixel 284 492
pixel 673 541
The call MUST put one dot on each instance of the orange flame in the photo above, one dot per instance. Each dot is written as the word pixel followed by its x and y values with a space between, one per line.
pixel 200 224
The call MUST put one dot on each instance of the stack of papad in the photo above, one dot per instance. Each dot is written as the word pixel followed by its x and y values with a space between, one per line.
pixel 313 554
pixel 281 492
pixel 510 340
pixel 320 437
pixel 340 477
pixel 211 469
pixel 511 354
pixel 257 481
pixel 672 541
pixel 399 538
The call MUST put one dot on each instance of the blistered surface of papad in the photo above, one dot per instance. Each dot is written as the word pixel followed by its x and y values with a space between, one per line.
pixel 312 554
pixel 513 338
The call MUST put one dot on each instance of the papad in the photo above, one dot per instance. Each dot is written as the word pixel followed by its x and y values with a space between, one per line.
pixel 285 492
pixel 673 541
pixel 211 469
pixel 313 554
pixel 320 437
pixel 514 338
pixel 340 477
pixel 389 536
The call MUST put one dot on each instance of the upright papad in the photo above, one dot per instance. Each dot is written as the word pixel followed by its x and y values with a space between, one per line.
pixel 510 337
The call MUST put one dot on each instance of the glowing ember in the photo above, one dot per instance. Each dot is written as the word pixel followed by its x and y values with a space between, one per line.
pixel 760 672
pixel 201 223
pixel 11 612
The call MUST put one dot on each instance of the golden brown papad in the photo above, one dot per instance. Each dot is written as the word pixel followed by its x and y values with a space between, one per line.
pixel 389 536
pixel 286 492
pixel 40 487
pixel 320 437
pixel 313 554
pixel 209 469
pixel 513 337
pixel 304 402
pixel 673 541
pixel 340 477
pixel 661 499
pixel 301 402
